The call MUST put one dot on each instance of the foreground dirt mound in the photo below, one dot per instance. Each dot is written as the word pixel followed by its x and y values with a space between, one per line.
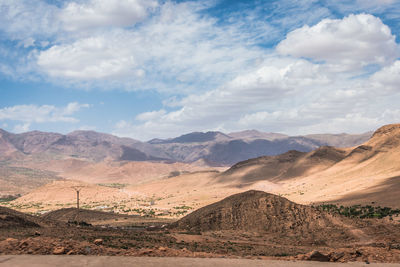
pixel 89 216
pixel 257 211
pixel 13 219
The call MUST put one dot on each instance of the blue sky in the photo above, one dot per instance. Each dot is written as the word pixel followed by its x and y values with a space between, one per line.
pixel 148 68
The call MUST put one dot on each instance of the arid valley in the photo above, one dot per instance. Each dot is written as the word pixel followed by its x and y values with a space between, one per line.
pixel 327 204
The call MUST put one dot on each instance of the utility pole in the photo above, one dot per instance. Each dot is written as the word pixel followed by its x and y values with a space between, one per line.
pixel 77 199
pixel 77 189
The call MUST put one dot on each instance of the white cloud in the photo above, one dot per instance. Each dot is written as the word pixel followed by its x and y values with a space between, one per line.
pixel 40 114
pixel 103 13
pixel 352 42
pixel 176 49
pixel 365 122
pixel 21 128
pixel 87 59
pixel 387 80
pixel 268 87
pixel 150 115
pixel 74 107
pixel 24 19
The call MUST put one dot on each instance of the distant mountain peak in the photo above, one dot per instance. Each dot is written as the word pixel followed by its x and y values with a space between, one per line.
pixel 255 134
pixel 194 137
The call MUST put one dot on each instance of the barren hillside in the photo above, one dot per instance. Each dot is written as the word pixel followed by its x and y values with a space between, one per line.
pixel 274 216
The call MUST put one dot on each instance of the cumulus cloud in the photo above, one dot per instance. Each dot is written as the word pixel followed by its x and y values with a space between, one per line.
pixel 267 88
pixel 87 59
pixel 40 114
pixel 150 115
pixel 24 19
pixel 387 80
pixel 78 16
pixel 352 42
pixel 29 22
pixel 176 49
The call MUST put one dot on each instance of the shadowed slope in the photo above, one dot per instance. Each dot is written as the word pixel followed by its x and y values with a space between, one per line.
pixel 13 219
pixel 285 166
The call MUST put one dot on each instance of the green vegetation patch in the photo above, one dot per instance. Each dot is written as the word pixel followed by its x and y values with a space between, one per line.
pixel 9 198
pixel 358 211
pixel 184 207
pixel 114 185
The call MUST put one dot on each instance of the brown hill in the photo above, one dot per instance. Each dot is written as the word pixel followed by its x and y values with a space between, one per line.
pixel 124 172
pixel 285 166
pixel 361 175
pixel 10 218
pixel 21 180
pixel 89 216
pixel 341 140
pixel 102 218
pixel 264 213
pixel 368 174
pixel 250 211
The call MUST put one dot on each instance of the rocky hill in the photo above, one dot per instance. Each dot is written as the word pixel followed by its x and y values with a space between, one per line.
pixel 272 215
pixel 12 219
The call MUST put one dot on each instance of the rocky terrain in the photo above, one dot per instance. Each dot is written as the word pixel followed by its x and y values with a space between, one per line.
pixel 252 224
pixel 265 213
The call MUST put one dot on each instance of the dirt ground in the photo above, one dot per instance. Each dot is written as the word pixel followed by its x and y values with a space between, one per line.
pixel 155 242
pixel 99 261
pixel 309 235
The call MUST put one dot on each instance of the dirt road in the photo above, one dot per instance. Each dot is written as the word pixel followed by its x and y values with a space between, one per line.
pixel 109 261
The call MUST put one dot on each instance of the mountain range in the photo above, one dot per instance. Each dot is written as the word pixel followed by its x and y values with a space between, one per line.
pixel 366 174
pixel 211 148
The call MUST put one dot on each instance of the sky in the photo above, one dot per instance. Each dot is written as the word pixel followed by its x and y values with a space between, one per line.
pixel 161 68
